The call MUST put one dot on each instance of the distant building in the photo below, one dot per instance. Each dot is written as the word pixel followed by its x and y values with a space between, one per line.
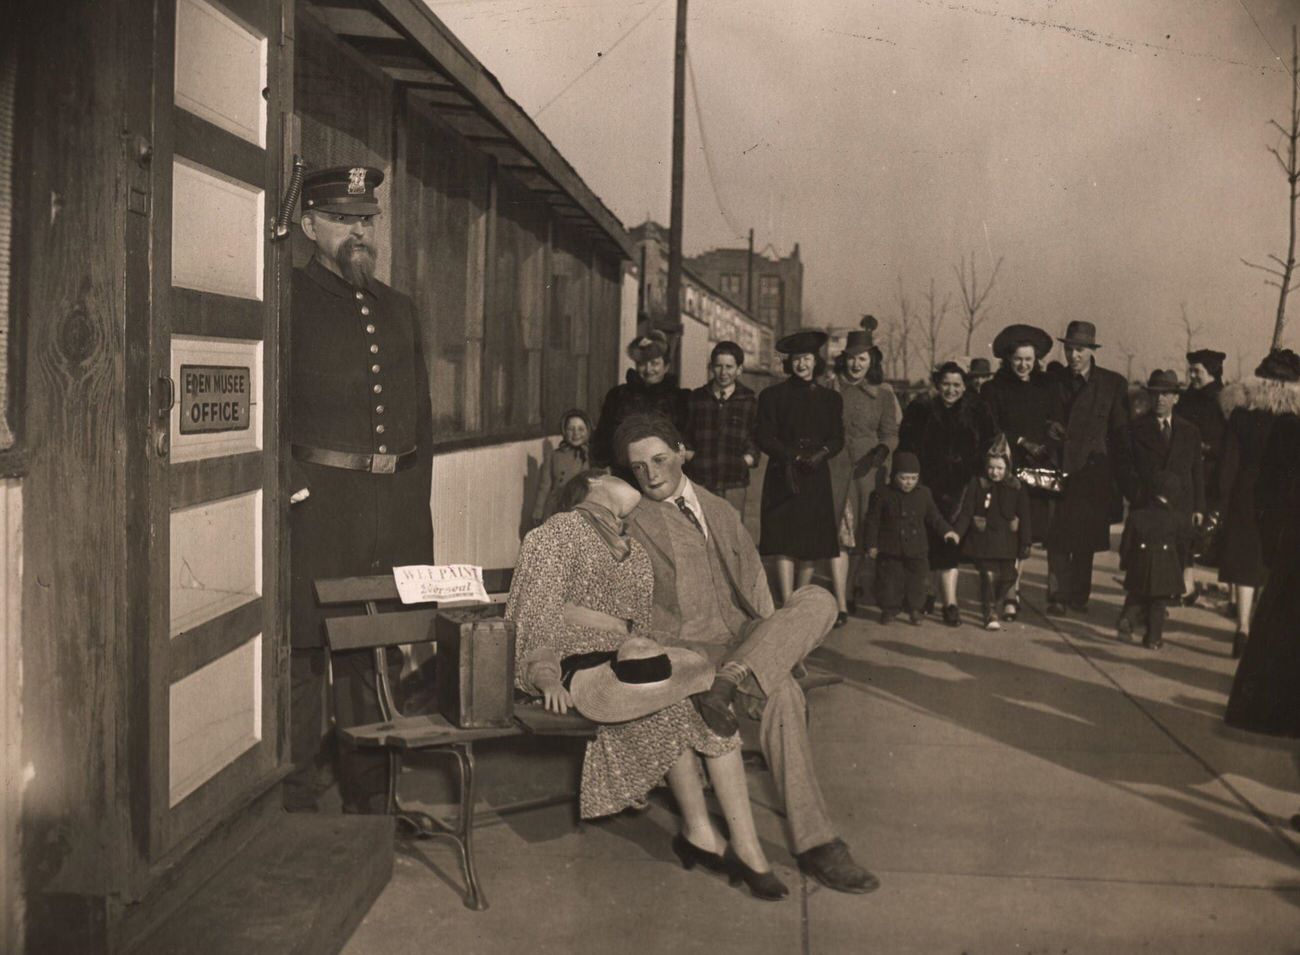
pixel 778 283
pixel 708 316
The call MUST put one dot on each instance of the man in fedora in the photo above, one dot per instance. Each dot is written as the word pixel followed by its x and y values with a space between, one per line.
pixel 361 427
pixel 650 388
pixel 981 370
pixel 1094 454
pixel 1163 441
pixel 711 595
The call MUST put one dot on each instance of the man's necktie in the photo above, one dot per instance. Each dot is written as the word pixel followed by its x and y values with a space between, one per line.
pixel 690 515
pixel 1164 431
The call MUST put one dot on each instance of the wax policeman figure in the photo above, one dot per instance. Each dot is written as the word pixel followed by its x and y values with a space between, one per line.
pixel 361 428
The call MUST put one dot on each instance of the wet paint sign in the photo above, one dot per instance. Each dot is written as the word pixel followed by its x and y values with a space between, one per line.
pixel 214 398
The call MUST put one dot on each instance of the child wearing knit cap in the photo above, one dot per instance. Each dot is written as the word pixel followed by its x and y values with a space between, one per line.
pixel 994 523
pixel 896 538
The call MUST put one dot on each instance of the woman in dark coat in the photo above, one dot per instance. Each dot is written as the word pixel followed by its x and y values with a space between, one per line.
pixel 800 426
pixel 1252 407
pixel 1265 694
pixel 649 389
pixel 949 433
pixel 1199 404
pixel 1024 408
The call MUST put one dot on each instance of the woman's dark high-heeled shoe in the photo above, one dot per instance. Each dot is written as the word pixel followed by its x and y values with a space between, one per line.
pixel 692 855
pixel 762 885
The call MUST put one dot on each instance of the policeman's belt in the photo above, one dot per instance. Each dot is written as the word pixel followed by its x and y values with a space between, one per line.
pixel 374 463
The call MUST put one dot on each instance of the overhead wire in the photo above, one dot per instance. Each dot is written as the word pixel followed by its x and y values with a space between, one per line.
pixel 1264 36
pixel 600 57
pixel 708 157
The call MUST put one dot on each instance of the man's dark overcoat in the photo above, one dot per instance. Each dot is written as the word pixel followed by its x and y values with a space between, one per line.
pixel 355 522
pixel 1181 458
pixel 1094 453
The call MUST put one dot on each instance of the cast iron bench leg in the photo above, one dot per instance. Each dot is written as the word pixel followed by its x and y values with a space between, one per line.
pixel 465 757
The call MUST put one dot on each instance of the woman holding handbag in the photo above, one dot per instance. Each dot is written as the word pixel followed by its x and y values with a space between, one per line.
pixel 1025 410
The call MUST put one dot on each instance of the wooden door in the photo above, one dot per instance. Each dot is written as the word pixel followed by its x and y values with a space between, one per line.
pixel 217 707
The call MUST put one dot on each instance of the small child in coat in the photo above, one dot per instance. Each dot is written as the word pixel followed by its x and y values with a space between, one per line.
pixel 896 538
pixel 1154 536
pixel 563 462
pixel 994 524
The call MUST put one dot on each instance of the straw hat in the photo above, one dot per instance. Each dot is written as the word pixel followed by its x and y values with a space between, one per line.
pixel 643 678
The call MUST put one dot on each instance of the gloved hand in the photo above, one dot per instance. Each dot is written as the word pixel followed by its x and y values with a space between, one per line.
pixel 872 459
pixel 1035 450
pixel 808 460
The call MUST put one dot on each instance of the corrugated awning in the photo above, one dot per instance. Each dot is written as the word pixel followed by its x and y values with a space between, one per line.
pixel 417 51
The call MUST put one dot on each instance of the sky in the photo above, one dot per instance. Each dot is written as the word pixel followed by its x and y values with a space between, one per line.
pixel 1113 154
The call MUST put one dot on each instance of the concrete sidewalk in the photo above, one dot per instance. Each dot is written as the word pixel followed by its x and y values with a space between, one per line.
pixel 1042 789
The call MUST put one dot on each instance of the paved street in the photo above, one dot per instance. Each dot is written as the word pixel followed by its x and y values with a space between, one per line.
pixel 1043 789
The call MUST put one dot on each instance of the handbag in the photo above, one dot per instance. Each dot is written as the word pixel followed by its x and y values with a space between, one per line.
pixel 1046 480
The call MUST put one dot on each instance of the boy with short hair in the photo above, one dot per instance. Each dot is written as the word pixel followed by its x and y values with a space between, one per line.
pixel 896 538
pixel 721 423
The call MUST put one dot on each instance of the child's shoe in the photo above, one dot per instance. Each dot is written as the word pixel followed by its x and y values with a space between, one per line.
pixel 991 623
pixel 914 618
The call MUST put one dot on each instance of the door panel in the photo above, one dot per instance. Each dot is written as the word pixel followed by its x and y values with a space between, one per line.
pixel 218 649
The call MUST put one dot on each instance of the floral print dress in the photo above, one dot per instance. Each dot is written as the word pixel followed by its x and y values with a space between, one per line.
pixel 566 561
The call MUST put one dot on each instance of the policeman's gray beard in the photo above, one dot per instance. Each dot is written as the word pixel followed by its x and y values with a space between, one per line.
pixel 357 269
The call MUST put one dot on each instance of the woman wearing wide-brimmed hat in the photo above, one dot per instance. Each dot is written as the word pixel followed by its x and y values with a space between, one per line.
pixel 582 586
pixel 1265 695
pixel 1025 407
pixel 1253 408
pixel 800 427
pixel 870 434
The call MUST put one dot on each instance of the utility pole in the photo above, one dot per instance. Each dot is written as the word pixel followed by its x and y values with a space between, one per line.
pixel 674 311
pixel 749 277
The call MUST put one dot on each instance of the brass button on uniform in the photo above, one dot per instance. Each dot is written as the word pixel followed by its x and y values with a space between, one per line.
pixel 383 449
pixel 374 369
pixel 358 294
pixel 379 429
pixel 378 389
pixel 379 409
pixel 374 349
pixel 365 309
pixel 370 329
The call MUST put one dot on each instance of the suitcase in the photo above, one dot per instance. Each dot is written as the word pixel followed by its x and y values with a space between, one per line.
pixel 475 667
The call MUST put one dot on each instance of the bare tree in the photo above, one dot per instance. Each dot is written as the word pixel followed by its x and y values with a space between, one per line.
pixel 1189 330
pixel 1127 354
pixel 1282 270
pixel 906 325
pixel 973 298
pixel 933 328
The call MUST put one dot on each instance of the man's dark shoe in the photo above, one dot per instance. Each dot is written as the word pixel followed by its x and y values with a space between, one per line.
pixel 714 706
pixel 832 865
pixel 928 607
pixel 1080 607
pixel 1124 629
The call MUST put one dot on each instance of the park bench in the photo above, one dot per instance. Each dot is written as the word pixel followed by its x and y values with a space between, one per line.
pixel 427 733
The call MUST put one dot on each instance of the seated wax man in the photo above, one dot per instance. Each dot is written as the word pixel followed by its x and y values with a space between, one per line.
pixel 711 595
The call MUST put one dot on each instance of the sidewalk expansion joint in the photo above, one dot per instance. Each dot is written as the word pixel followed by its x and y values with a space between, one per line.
pixel 1236 793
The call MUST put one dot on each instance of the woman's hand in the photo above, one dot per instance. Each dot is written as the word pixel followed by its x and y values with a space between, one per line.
pixel 556 698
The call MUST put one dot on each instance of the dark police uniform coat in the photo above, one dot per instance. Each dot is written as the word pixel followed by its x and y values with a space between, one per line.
pixel 358 384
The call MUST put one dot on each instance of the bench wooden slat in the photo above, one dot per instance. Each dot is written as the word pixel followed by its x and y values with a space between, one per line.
pixel 538 721
pixel 419 732
pixel 380 630
pixel 381 587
